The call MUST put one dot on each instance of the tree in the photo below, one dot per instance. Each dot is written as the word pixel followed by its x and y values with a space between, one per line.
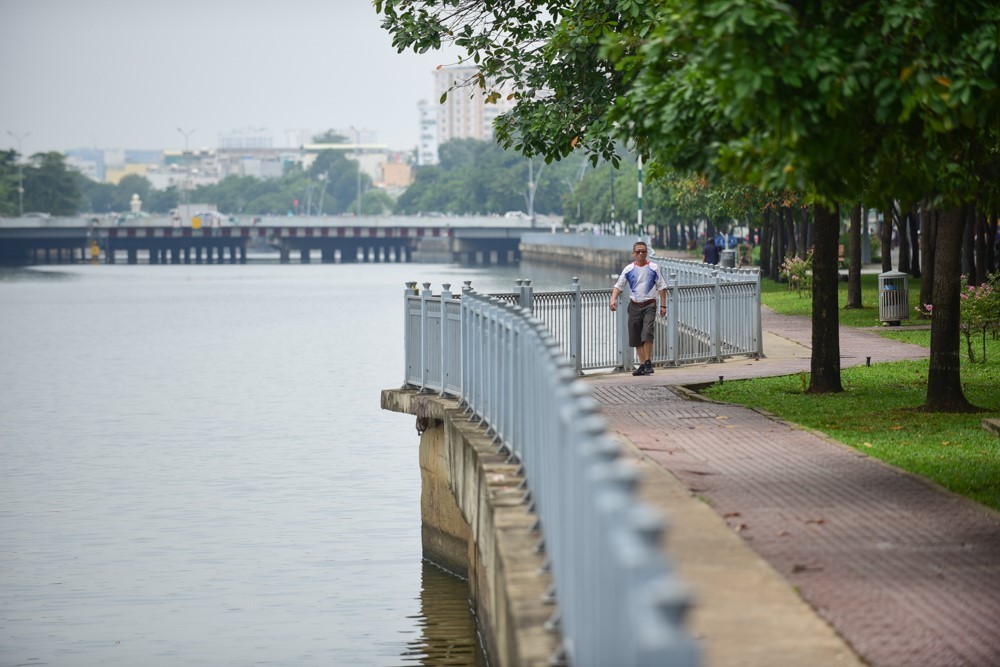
pixel 49 186
pixel 783 96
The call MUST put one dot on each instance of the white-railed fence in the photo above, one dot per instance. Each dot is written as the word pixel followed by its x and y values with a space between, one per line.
pixel 514 360
pixel 617 599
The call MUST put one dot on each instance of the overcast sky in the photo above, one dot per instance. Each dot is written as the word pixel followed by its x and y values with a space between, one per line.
pixel 129 73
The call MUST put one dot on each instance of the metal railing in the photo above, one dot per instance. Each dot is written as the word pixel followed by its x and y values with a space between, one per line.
pixel 618 602
pixel 713 319
pixel 513 359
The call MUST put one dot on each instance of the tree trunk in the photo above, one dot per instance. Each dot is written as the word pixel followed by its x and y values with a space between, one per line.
pixel 992 261
pixel 928 235
pixel 765 245
pixel 866 241
pixel 904 241
pixel 944 380
pixel 968 246
pixel 914 228
pixel 982 272
pixel 825 364
pixel 803 231
pixel 854 261
pixel 791 243
pixel 886 239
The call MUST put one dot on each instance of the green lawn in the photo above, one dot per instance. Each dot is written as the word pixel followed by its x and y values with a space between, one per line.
pixel 879 411
pixel 779 298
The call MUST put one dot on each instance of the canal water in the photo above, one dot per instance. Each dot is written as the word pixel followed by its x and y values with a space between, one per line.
pixel 194 468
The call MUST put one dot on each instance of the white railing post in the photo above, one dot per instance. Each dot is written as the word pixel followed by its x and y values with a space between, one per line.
pixel 758 324
pixel 576 327
pixel 621 340
pixel 445 367
pixel 715 327
pixel 673 313
pixel 425 296
pixel 408 361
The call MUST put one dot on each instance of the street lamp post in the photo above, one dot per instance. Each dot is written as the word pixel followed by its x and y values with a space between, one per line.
pixel 186 134
pixel 20 170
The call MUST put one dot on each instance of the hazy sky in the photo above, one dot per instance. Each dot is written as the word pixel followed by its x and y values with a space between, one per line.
pixel 129 73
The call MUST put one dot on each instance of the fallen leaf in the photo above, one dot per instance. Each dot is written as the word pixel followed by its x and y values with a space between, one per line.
pixel 816 521
pixel 726 516
pixel 782 533
pixel 896 428
pixel 867 444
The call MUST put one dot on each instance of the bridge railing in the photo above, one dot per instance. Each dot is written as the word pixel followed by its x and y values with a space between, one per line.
pixel 618 602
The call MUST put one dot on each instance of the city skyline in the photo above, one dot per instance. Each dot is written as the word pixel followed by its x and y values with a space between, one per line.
pixel 114 74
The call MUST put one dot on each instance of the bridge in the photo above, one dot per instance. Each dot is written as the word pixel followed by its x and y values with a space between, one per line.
pixel 487 240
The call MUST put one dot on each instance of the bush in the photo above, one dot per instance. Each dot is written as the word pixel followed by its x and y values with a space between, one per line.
pixel 980 312
pixel 797 272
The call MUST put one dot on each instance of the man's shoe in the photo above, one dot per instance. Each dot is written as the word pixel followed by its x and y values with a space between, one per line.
pixel 649 367
pixel 641 370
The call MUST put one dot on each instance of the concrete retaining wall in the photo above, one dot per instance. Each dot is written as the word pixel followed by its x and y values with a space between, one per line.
pixel 610 261
pixel 475 523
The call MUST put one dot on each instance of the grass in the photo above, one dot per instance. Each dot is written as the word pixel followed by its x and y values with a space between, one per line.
pixel 879 411
pixel 779 298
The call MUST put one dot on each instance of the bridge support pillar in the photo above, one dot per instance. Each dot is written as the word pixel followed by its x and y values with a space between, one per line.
pixel 284 255
pixel 133 256
pixel 326 256
pixel 243 254
pixel 304 256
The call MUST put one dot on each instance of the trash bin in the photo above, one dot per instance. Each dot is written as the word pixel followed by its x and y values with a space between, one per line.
pixel 728 259
pixel 893 297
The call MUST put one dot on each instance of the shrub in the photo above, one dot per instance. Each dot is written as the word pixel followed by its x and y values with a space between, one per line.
pixel 980 312
pixel 798 273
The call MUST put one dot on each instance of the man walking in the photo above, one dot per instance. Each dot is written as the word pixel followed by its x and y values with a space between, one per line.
pixel 644 282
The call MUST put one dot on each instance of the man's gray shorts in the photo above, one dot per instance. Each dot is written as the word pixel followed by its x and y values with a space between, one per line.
pixel 640 322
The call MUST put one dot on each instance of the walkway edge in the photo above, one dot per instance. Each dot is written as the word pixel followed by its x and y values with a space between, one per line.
pixel 744 612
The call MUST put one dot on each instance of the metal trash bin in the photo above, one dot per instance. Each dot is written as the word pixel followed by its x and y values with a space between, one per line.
pixel 728 259
pixel 893 297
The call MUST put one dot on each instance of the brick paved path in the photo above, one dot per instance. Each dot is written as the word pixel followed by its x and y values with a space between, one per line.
pixel 906 572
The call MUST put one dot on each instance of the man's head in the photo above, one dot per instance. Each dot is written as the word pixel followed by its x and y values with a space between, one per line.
pixel 639 251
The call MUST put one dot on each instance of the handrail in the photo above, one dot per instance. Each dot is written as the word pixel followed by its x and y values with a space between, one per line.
pixel 618 601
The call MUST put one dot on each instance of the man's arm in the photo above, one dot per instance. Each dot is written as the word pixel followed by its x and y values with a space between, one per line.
pixel 663 302
pixel 615 293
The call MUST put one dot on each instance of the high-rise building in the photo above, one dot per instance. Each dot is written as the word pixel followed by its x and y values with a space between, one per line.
pixel 427 150
pixel 465 113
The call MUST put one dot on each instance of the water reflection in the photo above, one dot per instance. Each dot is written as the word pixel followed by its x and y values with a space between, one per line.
pixel 448 632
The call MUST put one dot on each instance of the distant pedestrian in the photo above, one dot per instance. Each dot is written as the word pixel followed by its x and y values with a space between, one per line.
pixel 644 282
pixel 710 254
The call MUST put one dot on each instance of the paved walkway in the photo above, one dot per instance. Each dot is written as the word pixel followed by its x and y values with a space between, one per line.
pixel 802 551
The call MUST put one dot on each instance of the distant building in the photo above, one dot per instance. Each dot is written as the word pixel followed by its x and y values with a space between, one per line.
pixel 249 137
pixel 427 150
pixel 465 113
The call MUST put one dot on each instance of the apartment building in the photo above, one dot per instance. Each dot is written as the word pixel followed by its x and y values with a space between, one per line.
pixel 464 114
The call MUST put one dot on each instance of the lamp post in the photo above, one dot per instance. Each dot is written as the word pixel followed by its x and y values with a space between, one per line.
pixel 186 134
pixel 20 171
